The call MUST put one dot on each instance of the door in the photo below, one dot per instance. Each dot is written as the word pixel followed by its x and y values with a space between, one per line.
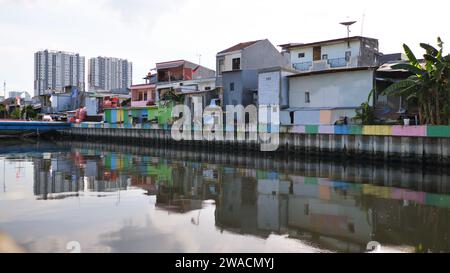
pixel 317 53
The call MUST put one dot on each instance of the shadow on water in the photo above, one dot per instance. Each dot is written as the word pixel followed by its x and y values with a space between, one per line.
pixel 337 206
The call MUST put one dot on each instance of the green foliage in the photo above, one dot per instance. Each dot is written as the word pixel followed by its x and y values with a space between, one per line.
pixel 29 112
pixel 2 111
pixel 172 96
pixel 429 84
pixel 366 113
pixel 15 114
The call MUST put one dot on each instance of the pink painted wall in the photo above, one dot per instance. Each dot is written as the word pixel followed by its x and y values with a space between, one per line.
pixel 419 131
pixel 402 194
pixel 138 103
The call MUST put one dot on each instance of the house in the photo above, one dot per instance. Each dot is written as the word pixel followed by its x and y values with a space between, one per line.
pixel 273 90
pixel 343 53
pixel 326 96
pixel 334 77
pixel 237 70
pixel 143 95
pixel 182 76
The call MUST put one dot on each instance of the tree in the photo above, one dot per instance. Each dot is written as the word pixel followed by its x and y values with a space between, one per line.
pixel 29 112
pixel 172 96
pixel 428 84
pixel 366 113
pixel 15 113
pixel 2 111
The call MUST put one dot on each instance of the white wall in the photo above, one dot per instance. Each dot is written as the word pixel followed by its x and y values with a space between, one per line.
pixel 228 60
pixel 269 88
pixel 91 106
pixel 341 89
pixel 334 51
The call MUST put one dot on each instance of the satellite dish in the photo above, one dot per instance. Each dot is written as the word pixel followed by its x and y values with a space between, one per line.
pixel 348 24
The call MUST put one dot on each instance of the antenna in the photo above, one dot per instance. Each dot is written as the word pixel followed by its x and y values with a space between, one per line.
pixel 199 58
pixel 348 24
pixel 362 22
pixel 4 89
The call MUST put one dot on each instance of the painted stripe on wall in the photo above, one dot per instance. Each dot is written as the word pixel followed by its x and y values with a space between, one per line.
pixel 377 130
pixel 418 131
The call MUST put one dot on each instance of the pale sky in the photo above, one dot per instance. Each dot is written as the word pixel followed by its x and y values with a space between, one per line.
pixel 150 31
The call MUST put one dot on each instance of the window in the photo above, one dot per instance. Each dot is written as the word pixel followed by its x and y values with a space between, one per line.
pixel 207 88
pixel 221 66
pixel 268 78
pixel 307 97
pixel 325 57
pixel 232 86
pixel 140 96
pixel 145 96
pixel 237 64
pixel 301 55
pixel 306 209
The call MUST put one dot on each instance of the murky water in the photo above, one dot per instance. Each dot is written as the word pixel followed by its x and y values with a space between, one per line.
pixel 118 198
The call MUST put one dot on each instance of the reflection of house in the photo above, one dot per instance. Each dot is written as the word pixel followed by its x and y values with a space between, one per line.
pixel 321 208
pixel 273 205
pixel 237 70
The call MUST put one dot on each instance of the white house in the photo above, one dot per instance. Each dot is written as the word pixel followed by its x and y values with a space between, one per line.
pixel 331 54
pixel 323 97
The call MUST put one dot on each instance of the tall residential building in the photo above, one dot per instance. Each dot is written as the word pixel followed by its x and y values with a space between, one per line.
pixel 55 70
pixel 109 74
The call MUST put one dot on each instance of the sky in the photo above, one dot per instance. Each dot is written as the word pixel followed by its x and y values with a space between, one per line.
pixel 150 31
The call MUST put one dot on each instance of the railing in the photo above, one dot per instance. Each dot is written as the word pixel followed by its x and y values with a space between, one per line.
pixel 305 66
pixel 338 62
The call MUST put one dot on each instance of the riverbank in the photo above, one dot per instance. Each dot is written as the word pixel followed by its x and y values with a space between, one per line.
pixel 403 144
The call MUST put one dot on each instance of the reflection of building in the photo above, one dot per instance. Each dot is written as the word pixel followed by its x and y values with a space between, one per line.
pixel 294 207
pixel 340 216
pixel 59 177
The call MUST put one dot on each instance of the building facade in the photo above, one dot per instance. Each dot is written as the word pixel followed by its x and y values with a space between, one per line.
pixel 56 70
pixel 109 74
pixel 344 53
pixel 325 97
pixel 183 77
pixel 237 70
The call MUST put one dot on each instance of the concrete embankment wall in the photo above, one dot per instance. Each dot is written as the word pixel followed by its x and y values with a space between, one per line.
pixel 422 144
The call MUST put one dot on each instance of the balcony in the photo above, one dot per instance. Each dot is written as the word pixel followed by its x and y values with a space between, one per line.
pixel 338 62
pixel 305 66
pixel 326 64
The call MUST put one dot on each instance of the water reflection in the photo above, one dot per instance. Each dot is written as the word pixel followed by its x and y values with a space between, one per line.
pixel 324 205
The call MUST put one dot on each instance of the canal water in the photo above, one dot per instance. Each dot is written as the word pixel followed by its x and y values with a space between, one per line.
pixel 121 198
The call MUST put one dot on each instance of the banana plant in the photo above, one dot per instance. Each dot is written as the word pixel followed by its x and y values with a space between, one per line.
pixel 428 83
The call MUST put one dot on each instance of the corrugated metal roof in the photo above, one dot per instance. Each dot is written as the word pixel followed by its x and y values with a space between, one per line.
pixel 172 64
pixel 239 46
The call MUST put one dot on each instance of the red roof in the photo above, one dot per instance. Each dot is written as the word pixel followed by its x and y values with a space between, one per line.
pixel 239 46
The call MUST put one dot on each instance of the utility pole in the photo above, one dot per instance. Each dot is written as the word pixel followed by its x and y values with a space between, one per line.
pixel 4 89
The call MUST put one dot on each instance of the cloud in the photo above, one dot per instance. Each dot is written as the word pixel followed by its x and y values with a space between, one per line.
pixel 149 31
